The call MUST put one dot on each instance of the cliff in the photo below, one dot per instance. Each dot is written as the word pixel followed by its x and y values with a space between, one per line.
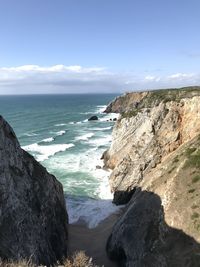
pixel 155 160
pixel 128 103
pixel 33 217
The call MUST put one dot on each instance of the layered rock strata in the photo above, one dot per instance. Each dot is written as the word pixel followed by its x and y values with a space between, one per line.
pixel 141 141
pixel 155 158
pixel 33 217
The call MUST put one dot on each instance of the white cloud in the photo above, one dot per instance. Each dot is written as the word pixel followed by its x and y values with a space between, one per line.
pixel 77 79
pixel 181 76
pixel 55 68
pixel 152 78
pixel 57 79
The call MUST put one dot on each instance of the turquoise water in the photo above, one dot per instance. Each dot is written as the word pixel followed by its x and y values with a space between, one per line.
pixel 56 131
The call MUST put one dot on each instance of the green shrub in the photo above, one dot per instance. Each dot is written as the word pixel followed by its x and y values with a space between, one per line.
pixel 195 215
pixel 176 159
pixel 196 179
pixel 191 191
pixel 130 113
pixel 193 160
pixel 194 206
pixel 172 169
pixel 189 151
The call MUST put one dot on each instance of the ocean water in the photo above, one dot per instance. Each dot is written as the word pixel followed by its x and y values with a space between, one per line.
pixel 56 131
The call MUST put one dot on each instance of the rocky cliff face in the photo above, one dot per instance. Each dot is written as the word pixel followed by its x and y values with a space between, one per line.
pixel 143 140
pixel 142 238
pixel 33 217
pixel 156 147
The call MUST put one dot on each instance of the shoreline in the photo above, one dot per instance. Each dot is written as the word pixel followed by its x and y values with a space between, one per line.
pixel 93 241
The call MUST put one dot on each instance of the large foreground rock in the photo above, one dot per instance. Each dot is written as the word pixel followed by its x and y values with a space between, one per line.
pixel 141 238
pixel 33 217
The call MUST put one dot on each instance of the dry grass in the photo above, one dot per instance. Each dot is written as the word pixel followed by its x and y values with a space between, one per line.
pixel 79 259
pixel 21 263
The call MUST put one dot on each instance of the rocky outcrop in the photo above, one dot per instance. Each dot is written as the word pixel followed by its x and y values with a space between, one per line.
pixel 122 104
pixel 33 217
pixel 142 141
pixel 130 102
pixel 93 118
pixel 156 146
pixel 141 238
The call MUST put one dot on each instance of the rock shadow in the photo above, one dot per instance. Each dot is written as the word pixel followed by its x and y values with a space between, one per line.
pixel 142 238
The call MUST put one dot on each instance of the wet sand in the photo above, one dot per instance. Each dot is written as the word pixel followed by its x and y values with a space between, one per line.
pixel 93 241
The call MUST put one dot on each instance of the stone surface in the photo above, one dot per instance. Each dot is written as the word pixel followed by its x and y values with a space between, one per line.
pixel 134 101
pixel 33 217
pixel 141 238
pixel 157 148
pixel 93 118
pixel 142 141
pixel 121 104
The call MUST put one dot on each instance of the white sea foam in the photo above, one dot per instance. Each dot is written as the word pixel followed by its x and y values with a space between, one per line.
pixel 86 113
pixel 83 175
pixel 109 117
pixel 30 134
pixel 46 151
pixel 76 122
pixel 60 133
pixel 61 124
pixel 100 108
pixel 102 141
pixel 84 137
pixel 102 128
pixel 48 140
pixel 83 161
pixel 91 211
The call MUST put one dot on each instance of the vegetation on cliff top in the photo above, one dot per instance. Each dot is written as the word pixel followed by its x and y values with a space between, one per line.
pixel 154 98
pixel 157 96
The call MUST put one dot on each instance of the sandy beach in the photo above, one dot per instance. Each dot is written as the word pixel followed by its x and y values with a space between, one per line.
pixel 93 241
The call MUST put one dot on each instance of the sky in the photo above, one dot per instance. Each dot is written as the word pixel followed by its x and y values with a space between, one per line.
pixel 92 46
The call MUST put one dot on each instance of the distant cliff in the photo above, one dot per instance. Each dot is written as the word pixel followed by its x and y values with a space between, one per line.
pixel 155 158
pixel 33 217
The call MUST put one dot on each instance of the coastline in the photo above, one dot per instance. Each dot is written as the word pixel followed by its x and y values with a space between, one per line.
pixel 93 241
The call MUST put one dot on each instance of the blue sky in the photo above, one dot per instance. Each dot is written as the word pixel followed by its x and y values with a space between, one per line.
pixel 60 46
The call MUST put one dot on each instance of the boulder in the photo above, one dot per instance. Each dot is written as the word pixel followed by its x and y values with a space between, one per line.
pixel 141 237
pixel 98 167
pixel 122 197
pixel 93 118
pixel 33 216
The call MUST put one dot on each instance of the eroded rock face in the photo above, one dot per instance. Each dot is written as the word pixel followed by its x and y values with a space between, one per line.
pixel 144 140
pixel 141 237
pixel 122 104
pixel 157 149
pixel 33 217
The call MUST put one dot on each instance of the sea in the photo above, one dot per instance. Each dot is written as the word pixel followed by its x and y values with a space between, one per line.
pixel 56 131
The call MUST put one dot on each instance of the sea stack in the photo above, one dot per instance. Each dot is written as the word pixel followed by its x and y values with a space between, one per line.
pixel 33 216
pixel 93 118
